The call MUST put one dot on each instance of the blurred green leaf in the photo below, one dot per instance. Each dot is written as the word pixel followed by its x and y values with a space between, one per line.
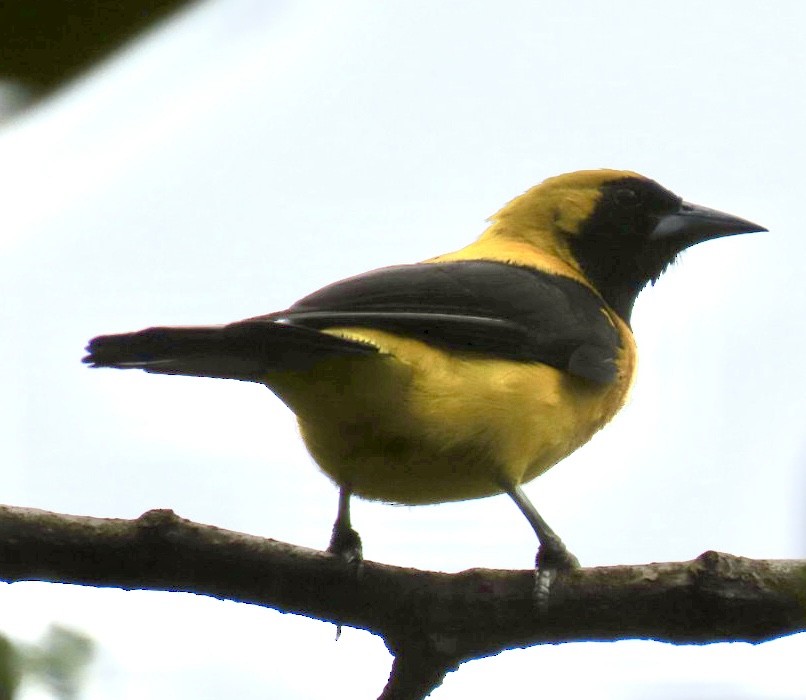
pixel 45 43
pixel 59 661
pixel 10 671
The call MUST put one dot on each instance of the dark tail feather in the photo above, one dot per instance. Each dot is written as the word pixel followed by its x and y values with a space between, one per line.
pixel 246 350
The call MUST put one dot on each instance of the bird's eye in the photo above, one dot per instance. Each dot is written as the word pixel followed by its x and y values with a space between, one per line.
pixel 627 197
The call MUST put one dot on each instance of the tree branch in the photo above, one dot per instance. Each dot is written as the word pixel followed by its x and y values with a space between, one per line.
pixel 432 622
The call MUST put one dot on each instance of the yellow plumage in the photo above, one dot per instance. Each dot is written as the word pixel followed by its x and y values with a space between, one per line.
pixel 417 424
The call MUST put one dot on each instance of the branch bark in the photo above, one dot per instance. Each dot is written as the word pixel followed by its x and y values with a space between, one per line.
pixel 432 622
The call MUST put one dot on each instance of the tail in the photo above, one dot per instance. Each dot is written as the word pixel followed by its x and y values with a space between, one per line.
pixel 246 350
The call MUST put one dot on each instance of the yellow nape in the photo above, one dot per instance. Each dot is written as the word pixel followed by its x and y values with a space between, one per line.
pixel 562 202
pixel 547 214
pixel 533 229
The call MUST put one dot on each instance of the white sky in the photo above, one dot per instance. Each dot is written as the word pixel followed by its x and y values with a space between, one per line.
pixel 249 153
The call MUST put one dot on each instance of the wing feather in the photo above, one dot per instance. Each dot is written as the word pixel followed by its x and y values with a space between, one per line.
pixel 480 307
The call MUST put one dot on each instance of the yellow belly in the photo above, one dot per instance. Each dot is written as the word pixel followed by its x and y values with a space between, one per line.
pixel 417 425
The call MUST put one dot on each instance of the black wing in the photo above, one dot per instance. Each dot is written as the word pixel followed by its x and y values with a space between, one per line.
pixel 479 307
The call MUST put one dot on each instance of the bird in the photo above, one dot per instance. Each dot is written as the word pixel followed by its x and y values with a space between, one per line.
pixel 468 374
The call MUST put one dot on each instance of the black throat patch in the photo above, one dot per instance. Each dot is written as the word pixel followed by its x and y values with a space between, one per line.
pixel 613 245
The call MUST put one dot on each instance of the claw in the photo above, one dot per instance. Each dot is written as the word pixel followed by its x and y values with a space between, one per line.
pixel 345 543
pixel 552 556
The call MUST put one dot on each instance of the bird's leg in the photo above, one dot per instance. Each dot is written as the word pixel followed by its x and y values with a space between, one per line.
pixel 345 542
pixel 552 555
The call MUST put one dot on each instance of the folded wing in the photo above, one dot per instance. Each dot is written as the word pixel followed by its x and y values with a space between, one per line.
pixel 475 307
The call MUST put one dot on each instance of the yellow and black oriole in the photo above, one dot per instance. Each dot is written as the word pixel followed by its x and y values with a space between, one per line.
pixel 468 374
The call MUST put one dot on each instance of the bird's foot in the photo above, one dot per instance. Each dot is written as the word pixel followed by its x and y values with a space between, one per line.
pixel 345 543
pixel 552 558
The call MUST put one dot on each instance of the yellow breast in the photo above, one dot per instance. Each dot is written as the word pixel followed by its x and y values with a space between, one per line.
pixel 417 425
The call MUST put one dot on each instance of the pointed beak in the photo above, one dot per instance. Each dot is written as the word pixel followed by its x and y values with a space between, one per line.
pixel 692 224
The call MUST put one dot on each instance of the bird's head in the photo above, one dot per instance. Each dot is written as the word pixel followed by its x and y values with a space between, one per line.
pixel 619 228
